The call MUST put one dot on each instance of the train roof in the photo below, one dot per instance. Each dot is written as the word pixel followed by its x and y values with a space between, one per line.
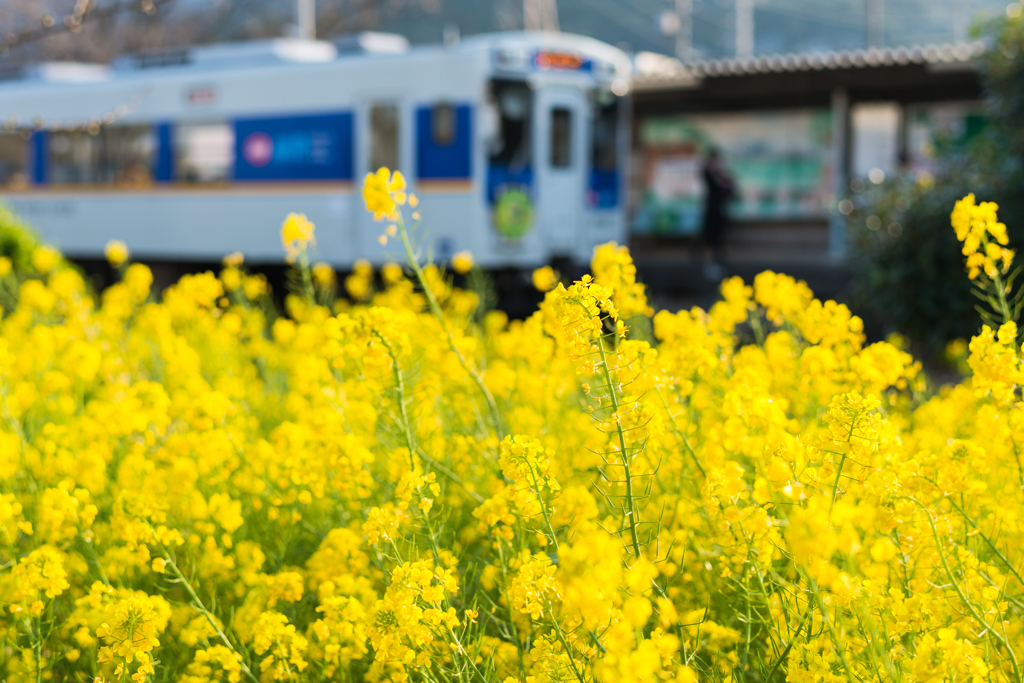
pixel 294 52
pixel 38 96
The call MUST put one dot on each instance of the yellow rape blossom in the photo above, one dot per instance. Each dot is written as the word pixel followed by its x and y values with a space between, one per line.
pixel 976 226
pixel 383 192
pixel 195 487
pixel 323 275
pixel 296 233
pixel 132 633
pixel 280 645
pixel 544 279
pixel 40 575
pixel 45 259
pixel 462 262
pixel 116 253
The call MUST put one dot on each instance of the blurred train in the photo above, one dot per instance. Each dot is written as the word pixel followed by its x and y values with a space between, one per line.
pixel 516 144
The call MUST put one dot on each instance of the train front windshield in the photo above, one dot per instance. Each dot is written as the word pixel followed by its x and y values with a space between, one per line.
pixel 604 152
pixel 511 146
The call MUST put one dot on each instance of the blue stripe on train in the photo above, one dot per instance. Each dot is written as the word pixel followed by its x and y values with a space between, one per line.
pixel 604 189
pixel 39 158
pixel 164 171
pixel 451 161
pixel 317 147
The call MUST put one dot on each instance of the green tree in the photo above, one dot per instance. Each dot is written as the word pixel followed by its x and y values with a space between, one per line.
pixel 906 261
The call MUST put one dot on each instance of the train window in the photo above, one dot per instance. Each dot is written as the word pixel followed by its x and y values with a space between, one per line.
pixel 511 145
pixel 561 137
pixel 604 150
pixel 116 155
pixel 204 153
pixel 443 125
pixel 127 155
pixel 13 160
pixel 73 157
pixel 383 136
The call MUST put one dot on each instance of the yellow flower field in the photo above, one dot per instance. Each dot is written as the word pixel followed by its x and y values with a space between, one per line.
pixel 197 489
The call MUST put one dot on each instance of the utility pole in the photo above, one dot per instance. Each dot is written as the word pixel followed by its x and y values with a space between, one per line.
pixel 876 23
pixel 958 12
pixel 684 31
pixel 540 15
pixel 744 28
pixel 305 18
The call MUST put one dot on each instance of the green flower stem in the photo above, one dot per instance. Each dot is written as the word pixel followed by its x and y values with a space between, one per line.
pixel 631 514
pixel 198 604
pixel 477 376
pixel 963 598
pixel 307 279
pixel 410 441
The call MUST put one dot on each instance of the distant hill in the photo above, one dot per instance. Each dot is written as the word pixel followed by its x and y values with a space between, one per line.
pixel 780 25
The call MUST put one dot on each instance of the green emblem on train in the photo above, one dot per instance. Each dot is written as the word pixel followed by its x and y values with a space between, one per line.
pixel 513 214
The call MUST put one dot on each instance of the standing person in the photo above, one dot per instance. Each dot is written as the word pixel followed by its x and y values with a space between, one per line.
pixel 720 189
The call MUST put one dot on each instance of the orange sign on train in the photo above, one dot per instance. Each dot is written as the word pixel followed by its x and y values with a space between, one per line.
pixel 559 60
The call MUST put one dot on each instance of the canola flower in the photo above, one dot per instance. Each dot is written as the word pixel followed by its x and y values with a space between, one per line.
pixel 395 489
pixel 544 279
pixel 988 260
pixel 984 238
pixel 296 235
pixel 384 192
pixel 462 262
pixel 116 253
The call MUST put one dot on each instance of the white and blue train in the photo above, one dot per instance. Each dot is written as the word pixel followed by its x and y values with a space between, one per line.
pixel 516 144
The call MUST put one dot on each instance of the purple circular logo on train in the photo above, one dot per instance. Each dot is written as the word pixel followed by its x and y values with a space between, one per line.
pixel 258 149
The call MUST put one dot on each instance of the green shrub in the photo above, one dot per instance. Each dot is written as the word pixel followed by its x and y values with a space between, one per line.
pixel 17 240
pixel 908 278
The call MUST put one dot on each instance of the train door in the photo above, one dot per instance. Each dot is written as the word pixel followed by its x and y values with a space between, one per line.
pixel 609 151
pixel 380 130
pixel 560 168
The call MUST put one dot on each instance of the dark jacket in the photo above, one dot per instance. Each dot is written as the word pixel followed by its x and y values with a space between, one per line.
pixel 720 190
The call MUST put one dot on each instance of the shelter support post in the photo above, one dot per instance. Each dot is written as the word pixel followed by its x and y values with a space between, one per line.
pixel 840 172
